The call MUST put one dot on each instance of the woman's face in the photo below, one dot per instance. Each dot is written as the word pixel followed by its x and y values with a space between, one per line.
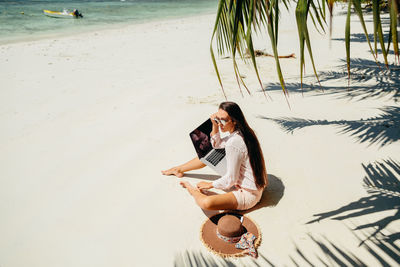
pixel 223 116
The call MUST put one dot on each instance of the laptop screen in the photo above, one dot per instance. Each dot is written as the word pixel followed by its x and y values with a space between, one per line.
pixel 201 138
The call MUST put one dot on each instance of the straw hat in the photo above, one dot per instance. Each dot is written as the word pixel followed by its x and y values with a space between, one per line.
pixel 229 235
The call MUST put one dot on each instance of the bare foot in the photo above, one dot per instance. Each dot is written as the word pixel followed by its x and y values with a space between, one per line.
pixel 190 188
pixel 173 171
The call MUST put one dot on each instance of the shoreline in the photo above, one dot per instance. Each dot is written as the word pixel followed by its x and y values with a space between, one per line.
pixel 68 32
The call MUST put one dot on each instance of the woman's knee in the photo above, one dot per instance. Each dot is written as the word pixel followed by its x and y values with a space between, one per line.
pixel 206 203
pixel 215 203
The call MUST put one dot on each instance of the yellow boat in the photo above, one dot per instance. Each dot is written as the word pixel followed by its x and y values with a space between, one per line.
pixel 64 14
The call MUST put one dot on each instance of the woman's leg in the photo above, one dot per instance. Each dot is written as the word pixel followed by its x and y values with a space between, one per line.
pixel 178 171
pixel 225 201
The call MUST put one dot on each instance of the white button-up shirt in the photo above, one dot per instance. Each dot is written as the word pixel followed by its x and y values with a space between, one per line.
pixel 239 172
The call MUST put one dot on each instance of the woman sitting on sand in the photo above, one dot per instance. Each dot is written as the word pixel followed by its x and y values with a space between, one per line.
pixel 245 164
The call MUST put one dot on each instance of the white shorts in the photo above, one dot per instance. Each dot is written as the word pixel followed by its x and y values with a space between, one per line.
pixel 247 198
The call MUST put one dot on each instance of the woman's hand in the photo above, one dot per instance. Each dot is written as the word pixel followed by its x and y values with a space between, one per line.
pixel 204 185
pixel 212 117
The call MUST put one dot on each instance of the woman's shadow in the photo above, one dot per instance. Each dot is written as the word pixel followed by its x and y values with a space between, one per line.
pixel 271 196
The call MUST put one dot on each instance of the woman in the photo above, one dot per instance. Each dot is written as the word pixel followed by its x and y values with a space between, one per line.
pixel 245 164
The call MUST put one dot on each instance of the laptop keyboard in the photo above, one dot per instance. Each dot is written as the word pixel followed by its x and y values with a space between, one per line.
pixel 216 156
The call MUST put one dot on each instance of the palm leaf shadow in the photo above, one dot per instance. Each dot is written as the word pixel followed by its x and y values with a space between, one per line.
pixel 383 129
pixel 372 80
pixel 332 252
pixel 197 258
pixel 356 38
pixel 367 81
pixel 382 182
pixel 335 255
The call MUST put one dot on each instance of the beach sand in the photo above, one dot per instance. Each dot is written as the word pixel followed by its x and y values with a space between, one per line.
pixel 90 120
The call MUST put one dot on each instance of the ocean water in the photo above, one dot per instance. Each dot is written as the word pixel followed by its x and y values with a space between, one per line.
pixel 24 19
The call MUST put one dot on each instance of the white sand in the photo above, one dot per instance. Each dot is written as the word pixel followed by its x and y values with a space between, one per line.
pixel 88 122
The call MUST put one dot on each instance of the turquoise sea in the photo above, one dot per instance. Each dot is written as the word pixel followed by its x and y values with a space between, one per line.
pixel 24 19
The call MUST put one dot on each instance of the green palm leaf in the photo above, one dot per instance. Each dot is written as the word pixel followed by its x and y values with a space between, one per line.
pixel 393 28
pixel 221 5
pixel 319 17
pixel 330 7
pixel 272 36
pixel 358 10
pixel 378 34
pixel 347 38
pixel 249 40
pixel 302 10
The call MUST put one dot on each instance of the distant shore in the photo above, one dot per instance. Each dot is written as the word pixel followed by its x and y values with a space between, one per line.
pixel 88 30
pixel 25 21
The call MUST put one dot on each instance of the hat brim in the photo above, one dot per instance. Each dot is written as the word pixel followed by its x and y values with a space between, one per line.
pixel 208 235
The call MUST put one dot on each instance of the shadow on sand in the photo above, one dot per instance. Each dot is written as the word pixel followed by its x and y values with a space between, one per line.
pixel 382 130
pixel 332 255
pixel 382 182
pixel 368 81
pixel 271 196
pixel 197 258
pixel 359 38
pixel 208 177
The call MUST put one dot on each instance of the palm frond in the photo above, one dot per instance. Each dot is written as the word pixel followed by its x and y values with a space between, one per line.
pixel 302 11
pixel 358 10
pixel 272 36
pixel 347 39
pixel 393 27
pixel 378 34
pixel 221 6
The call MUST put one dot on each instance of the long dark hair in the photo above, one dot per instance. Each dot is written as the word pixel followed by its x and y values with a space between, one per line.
pixel 250 139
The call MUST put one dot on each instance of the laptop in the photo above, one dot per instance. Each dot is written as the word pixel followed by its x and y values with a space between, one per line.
pixel 214 158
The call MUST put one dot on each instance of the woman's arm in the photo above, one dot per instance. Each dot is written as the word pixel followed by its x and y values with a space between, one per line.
pixel 216 140
pixel 234 158
pixel 215 128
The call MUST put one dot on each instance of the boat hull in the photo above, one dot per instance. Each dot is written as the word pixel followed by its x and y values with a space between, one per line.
pixel 58 14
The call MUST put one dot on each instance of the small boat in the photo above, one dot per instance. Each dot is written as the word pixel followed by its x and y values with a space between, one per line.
pixel 64 14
